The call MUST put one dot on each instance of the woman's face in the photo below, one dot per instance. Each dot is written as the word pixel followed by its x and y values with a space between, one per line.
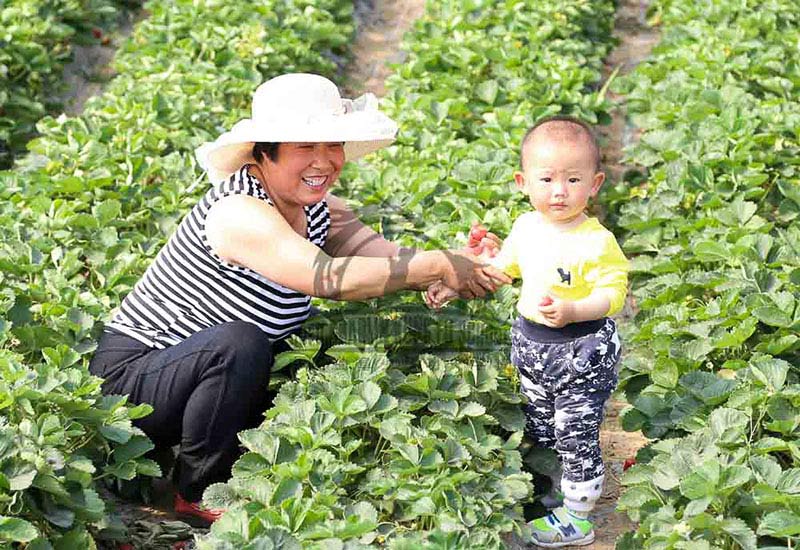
pixel 303 172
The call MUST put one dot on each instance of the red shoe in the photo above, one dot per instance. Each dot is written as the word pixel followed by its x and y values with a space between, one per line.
pixel 194 513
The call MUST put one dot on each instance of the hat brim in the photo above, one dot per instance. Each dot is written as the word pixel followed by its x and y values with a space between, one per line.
pixel 362 133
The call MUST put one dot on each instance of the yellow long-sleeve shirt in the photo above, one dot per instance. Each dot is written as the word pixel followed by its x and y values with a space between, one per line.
pixel 567 264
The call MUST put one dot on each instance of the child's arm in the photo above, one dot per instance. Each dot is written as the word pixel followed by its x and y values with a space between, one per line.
pixel 558 313
pixel 438 295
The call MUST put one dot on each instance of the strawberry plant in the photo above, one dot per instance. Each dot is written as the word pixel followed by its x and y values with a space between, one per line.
pixel 83 214
pixel 366 451
pixel 35 45
pixel 712 363
pixel 58 435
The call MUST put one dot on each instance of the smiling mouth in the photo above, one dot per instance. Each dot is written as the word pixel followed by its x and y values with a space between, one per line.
pixel 315 182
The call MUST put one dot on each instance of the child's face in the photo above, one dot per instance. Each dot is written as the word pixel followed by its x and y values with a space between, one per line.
pixel 559 177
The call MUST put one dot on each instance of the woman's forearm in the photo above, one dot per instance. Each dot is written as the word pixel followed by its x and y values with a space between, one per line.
pixel 360 277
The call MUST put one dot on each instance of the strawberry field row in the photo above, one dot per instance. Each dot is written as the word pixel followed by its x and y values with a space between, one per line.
pixel 712 367
pixel 81 216
pixel 420 451
pixel 35 44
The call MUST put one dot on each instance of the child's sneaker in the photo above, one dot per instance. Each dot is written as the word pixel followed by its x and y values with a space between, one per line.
pixel 553 499
pixel 562 528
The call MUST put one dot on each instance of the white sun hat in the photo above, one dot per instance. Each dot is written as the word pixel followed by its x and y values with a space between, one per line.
pixel 299 107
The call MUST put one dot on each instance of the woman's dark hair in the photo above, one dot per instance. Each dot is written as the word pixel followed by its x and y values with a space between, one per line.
pixel 261 148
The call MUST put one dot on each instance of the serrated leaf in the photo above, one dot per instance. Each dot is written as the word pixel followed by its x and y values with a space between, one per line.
pixel 782 523
pixel 137 446
pixel 739 531
pixel 789 481
pixel 772 316
pixel 471 409
pixel 370 393
pixel 487 91
pixel 287 488
pixel 702 482
pixel 17 530
pixel 773 372
pixel 728 426
pixel 766 469
pixel 698 506
pixel 711 251
pixel 219 495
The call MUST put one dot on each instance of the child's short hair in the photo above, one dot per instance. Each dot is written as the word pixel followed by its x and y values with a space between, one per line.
pixel 566 127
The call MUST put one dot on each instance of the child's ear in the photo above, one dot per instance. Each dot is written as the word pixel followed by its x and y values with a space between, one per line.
pixel 519 179
pixel 597 183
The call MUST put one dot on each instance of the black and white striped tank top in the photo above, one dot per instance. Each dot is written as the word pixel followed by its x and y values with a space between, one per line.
pixel 188 287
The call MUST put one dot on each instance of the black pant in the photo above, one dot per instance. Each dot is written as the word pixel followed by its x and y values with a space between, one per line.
pixel 204 391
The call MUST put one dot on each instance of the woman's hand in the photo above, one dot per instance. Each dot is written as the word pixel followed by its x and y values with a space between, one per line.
pixel 470 276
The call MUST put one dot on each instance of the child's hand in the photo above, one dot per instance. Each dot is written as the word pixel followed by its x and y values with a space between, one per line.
pixel 438 295
pixel 482 243
pixel 557 312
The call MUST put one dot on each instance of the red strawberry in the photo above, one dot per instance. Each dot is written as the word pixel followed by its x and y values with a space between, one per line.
pixel 477 233
pixel 97 33
pixel 628 463
pixel 546 301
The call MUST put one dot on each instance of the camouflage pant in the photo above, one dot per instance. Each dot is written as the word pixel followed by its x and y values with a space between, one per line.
pixel 567 385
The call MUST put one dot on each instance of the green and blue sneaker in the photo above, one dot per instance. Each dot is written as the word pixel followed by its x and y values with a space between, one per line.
pixel 562 528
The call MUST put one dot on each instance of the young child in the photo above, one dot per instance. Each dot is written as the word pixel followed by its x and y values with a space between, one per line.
pixel 574 275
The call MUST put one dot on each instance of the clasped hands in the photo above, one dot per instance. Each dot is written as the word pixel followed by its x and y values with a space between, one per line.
pixel 484 246
pixel 471 276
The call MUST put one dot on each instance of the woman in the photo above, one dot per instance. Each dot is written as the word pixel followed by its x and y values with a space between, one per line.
pixel 195 336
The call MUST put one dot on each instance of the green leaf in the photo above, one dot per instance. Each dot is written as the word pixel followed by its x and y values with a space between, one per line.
pixel 772 316
pixel 423 507
pixel 728 426
pixel 286 358
pixel 698 506
pixel 107 211
pixel 711 251
pixel 702 482
pixel 137 446
pixel 287 488
pixel 771 372
pixel 734 476
pixel 789 481
pixel 790 190
pixel 665 373
pixel 448 408
pixel 707 387
pixel 782 523
pixel 487 91
pixel 20 474
pixel 17 530
pixel 119 431
pixel 766 469
pixel 220 495
pixel 470 409
pixel 370 393
pixel 147 467
pixel 740 532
